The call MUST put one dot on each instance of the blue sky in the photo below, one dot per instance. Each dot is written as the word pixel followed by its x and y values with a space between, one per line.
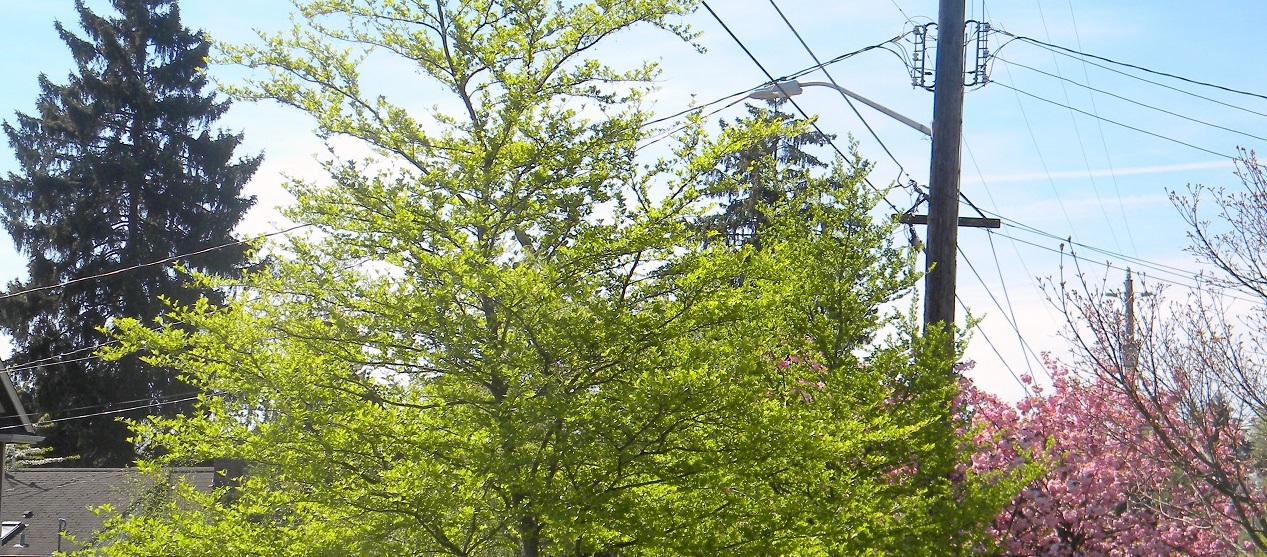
pixel 1044 167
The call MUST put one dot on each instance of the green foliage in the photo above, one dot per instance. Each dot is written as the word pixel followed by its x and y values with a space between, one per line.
pixel 22 455
pixel 502 342
pixel 120 167
pixel 775 162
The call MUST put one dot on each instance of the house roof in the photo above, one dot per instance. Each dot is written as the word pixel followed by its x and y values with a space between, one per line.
pixel 69 494
pixel 15 424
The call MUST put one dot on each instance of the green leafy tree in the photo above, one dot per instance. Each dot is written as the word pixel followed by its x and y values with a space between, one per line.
pixel 502 343
pixel 119 167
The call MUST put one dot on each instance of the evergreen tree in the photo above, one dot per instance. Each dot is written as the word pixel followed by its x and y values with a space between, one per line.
pixel 760 174
pixel 119 167
pixel 774 166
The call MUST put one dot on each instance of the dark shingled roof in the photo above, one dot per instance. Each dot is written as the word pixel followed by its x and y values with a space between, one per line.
pixel 70 493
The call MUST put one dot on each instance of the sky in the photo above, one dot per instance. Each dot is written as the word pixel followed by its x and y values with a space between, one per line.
pixel 1069 151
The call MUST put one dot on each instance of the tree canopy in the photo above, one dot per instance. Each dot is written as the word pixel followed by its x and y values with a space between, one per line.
pixel 120 167
pixel 504 337
pixel 1189 370
pixel 767 169
pixel 1110 485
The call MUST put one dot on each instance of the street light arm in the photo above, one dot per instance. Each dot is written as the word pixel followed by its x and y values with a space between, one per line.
pixel 883 110
pixel 791 87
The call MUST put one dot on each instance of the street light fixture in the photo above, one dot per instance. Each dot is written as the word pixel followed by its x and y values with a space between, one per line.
pixel 791 87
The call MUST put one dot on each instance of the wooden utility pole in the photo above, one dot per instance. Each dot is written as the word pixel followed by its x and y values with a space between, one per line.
pixel 1130 348
pixel 943 183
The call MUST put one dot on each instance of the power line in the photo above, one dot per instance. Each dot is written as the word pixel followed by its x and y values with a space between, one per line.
pixel 64 354
pixel 1132 66
pixel 1160 267
pixel 761 66
pixel 804 114
pixel 1007 297
pixel 162 261
pixel 118 410
pixel 1038 150
pixel 670 133
pixel 1015 249
pixel 110 405
pixel 1116 123
pixel 1178 272
pixel 848 101
pixel 1135 102
pixel 903 12
pixel 845 56
pixel 1151 82
pixel 1099 126
pixel 1077 131
pixel 742 95
pixel 819 65
pixel 1194 286
pixel 1002 360
pixel 1015 327
pixel 27 366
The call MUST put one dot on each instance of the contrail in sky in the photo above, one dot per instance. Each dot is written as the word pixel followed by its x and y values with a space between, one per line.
pixel 1076 174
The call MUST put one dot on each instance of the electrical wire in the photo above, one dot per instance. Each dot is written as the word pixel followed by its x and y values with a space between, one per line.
pixel 1160 267
pixel 848 101
pixel 1194 285
pixel 1038 150
pixel 117 411
pixel 1015 249
pixel 818 65
pixel 997 353
pixel 29 366
pixel 1134 102
pixel 1015 327
pixel 1120 124
pixel 110 405
pixel 842 57
pixel 670 133
pixel 1007 297
pixel 1149 81
pixel 162 261
pixel 1099 126
pixel 1132 66
pixel 804 114
pixel 1020 338
pixel 742 95
pixel 34 364
pixel 900 10
pixel 68 353
pixel 1077 132
pixel 1182 278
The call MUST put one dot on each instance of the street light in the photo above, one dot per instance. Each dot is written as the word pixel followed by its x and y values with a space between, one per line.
pixel 943 219
pixel 792 87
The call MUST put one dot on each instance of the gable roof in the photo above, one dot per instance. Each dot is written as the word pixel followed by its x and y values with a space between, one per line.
pixel 51 495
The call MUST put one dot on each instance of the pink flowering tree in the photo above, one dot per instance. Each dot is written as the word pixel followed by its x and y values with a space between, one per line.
pixel 1109 487
pixel 1190 369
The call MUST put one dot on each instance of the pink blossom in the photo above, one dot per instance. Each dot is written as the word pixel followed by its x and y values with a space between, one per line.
pixel 1106 489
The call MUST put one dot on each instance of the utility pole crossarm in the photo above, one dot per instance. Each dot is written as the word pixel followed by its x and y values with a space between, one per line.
pixel 965 222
